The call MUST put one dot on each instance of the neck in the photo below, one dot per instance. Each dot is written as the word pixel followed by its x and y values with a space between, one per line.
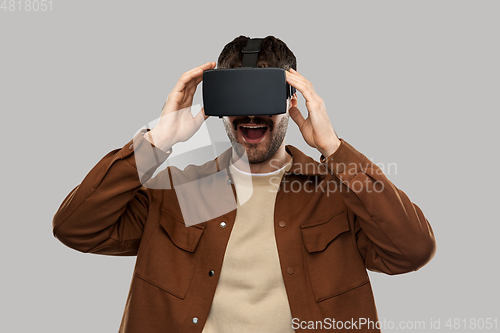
pixel 276 162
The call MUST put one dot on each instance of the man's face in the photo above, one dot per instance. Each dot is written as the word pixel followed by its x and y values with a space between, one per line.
pixel 259 137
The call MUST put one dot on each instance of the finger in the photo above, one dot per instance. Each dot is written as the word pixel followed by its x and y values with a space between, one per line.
pixel 185 79
pixel 294 75
pixel 299 78
pixel 189 96
pixel 200 117
pixel 204 115
pixel 297 116
pixel 205 66
pixel 188 93
pixel 196 80
pixel 192 85
pixel 186 101
pixel 293 72
pixel 196 76
pixel 192 74
pixel 305 88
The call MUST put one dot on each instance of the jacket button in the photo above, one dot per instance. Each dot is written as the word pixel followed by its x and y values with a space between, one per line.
pixel 282 224
pixel 223 224
pixel 131 147
pixel 340 168
pixel 290 270
pixel 229 181
pixel 211 273
pixel 195 320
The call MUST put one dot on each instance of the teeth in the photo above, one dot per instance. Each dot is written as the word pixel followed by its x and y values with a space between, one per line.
pixel 254 126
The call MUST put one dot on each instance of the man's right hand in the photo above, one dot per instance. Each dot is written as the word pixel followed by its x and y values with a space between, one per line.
pixel 176 123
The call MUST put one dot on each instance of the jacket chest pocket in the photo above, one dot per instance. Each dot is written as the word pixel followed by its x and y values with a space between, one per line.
pixel 169 259
pixel 332 259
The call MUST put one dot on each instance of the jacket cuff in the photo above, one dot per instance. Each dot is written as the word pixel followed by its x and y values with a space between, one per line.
pixel 143 155
pixel 345 163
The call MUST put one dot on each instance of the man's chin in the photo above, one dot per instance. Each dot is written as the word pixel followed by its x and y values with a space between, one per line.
pixel 254 153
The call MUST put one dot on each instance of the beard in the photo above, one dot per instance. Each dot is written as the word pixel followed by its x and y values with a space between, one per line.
pixel 257 152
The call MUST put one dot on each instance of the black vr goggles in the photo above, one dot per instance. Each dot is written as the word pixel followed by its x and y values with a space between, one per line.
pixel 247 90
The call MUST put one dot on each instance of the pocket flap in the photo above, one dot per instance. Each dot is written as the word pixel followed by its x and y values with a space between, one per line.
pixel 317 236
pixel 186 238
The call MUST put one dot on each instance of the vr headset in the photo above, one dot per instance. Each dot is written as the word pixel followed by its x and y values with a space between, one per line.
pixel 247 90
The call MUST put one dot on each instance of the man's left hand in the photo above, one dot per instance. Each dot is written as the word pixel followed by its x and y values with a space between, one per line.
pixel 316 128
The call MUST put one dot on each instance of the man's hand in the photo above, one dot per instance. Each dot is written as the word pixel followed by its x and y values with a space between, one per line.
pixel 316 129
pixel 176 123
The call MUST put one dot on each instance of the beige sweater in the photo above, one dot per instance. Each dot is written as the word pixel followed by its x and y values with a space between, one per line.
pixel 250 295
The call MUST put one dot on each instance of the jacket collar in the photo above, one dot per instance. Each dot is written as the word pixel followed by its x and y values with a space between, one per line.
pixel 302 164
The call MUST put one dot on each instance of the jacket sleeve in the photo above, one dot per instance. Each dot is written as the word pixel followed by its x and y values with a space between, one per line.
pixel 391 233
pixel 106 213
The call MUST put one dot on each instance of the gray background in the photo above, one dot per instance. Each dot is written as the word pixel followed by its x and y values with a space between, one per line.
pixel 414 83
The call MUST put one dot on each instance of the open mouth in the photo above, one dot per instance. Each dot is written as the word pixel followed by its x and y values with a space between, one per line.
pixel 252 133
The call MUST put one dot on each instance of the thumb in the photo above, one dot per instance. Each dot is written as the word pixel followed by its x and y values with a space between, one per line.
pixel 296 115
pixel 203 111
pixel 200 117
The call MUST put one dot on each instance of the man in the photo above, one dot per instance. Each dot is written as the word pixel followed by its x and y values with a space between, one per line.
pixel 291 257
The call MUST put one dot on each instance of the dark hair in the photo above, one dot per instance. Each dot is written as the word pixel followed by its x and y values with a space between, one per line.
pixel 273 53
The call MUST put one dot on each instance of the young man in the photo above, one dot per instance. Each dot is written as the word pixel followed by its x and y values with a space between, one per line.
pixel 293 254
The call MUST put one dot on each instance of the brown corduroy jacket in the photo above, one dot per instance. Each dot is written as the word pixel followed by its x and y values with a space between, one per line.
pixel 333 220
